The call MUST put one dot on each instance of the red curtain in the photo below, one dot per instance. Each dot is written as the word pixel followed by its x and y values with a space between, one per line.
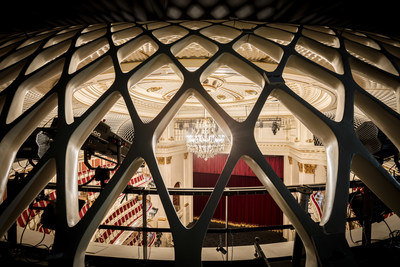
pixel 247 209
pixel 217 163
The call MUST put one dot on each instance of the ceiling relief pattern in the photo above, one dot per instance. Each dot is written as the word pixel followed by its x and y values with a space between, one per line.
pixel 145 73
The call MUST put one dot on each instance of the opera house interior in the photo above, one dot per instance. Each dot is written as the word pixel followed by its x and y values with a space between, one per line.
pixel 199 133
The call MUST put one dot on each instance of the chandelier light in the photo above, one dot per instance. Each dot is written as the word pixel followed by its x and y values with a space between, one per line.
pixel 204 141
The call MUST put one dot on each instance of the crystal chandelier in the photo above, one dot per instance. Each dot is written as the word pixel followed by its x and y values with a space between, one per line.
pixel 204 141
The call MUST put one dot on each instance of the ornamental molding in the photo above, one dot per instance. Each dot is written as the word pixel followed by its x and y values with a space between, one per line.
pixel 310 168
pixel 160 160
pixel 300 165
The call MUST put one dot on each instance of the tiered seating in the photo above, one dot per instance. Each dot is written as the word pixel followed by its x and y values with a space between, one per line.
pixel 139 180
pixel 34 217
pixel 132 239
pixel 124 215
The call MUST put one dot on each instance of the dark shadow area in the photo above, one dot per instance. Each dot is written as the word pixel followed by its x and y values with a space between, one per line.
pixel 381 253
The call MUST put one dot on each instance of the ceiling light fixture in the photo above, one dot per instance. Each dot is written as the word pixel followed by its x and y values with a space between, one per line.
pixel 204 140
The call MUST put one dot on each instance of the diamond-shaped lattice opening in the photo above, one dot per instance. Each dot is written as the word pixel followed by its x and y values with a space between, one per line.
pixel 18 55
pixel 96 152
pixel 34 88
pixel 60 38
pixel 286 27
pixel 279 36
pixel 324 56
pixel 274 123
pixel 315 86
pixel 128 210
pixel 195 25
pixel 374 140
pixel 70 29
pixel 175 169
pixel 90 36
pixel 373 132
pixel 36 93
pixel 116 27
pixel 390 44
pixel 193 52
pixel 131 54
pixel 364 168
pixel 31 216
pixel 361 39
pixel 88 53
pixel 93 27
pixel 376 82
pixel 378 142
pixel 393 49
pixel 47 56
pixel 35 141
pixel 151 93
pixel 263 53
pixel 124 36
pixel 240 25
pixel 251 209
pixel 235 93
pixel 90 91
pixel 278 127
pixel 221 34
pixel 6 49
pixel 322 29
pixel 322 37
pixel 12 40
pixel 170 34
pixel 8 75
pixel 35 39
pixel 77 104
pixel 155 25
pixel 203 152
pixel 370 56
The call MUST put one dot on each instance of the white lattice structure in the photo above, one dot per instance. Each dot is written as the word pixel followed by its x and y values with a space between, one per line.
pixel 84 74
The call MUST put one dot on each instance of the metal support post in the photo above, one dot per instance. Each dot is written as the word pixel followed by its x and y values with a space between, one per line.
pixel 367 217
pixel 298 246
pixel 226 228
pixel 12 232
pixel 144 217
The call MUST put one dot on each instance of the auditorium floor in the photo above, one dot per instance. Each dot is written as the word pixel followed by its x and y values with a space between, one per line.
pixel 384 251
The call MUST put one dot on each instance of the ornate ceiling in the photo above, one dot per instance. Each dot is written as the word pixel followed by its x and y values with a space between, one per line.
pixel 234 92
pixel 230 89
